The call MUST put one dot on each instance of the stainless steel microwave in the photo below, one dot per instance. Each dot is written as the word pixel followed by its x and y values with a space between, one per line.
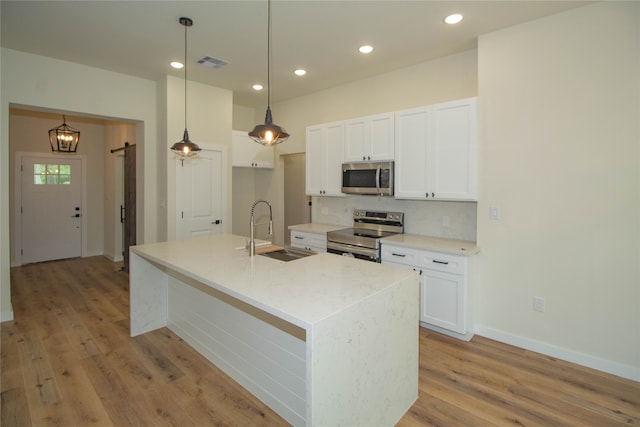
pixel 368 178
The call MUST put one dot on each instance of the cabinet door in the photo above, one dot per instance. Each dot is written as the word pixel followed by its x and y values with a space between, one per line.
pixel 454 160
pixel 355 141
pixel 412 128
pixel 442 300
pixel 248 153
pixel 369 138
pixel 324 156
pixel 314 160
pixel 382 137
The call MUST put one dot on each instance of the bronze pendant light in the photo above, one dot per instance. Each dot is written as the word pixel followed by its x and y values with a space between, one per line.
pixel 268 133
pixel 185 148
pixel 64 138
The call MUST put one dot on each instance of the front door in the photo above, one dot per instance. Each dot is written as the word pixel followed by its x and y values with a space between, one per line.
pixel 51 223
pixel 199 194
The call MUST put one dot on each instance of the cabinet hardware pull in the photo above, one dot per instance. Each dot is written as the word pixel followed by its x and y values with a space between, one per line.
pixel 299 237
pixel 440 262
pixel 400 255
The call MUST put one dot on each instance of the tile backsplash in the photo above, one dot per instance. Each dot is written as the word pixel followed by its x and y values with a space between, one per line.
pixel 427 218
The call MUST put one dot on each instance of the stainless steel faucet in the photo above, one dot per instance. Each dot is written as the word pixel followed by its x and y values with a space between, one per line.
pixel 252 240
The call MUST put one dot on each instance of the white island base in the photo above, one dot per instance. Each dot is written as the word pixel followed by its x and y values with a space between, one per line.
pixel 323 340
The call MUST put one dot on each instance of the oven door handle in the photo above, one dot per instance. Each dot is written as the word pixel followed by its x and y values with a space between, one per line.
pixel 352 249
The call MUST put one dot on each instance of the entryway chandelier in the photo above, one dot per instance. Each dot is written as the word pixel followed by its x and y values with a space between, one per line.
pixel 185 147
pixel 64 138
pixel 268 133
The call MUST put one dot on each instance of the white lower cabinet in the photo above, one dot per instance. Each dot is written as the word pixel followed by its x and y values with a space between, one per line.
pixel 446 287
pixel 310 241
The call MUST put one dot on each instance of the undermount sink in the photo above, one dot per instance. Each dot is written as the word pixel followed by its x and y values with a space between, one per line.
pixel 288 254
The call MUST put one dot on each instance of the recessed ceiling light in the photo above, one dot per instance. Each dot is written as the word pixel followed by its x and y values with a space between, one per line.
pixel 177 65
pixel 453 19
pixel 257 87
pixel 365 49
pixel 300 72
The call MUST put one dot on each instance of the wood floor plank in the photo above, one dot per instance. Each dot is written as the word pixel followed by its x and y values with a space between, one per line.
pixel 68 360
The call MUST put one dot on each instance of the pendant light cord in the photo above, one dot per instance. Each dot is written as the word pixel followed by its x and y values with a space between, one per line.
pixel 269 54
pixel 185 77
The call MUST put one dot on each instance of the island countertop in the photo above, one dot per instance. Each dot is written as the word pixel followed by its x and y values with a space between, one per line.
pixel 302 292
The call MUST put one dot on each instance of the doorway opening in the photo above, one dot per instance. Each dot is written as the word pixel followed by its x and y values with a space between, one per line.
pixel 297 205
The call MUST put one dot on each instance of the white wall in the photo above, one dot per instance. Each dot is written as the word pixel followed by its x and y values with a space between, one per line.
pixel 36 81
pixel 559 155
pixel 209 117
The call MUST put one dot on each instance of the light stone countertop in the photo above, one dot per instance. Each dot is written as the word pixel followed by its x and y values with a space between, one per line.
pixel 302 292
pixel 317 228
pixel 437 244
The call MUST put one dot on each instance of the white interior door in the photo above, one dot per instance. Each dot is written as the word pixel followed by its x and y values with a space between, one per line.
pixel 199 194
pixel 51 223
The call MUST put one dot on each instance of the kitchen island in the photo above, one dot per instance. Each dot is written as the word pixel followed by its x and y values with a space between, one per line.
pixel 323 340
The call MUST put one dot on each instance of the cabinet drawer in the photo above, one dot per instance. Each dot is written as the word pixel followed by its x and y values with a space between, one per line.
pixel 303 240
pixel 424 259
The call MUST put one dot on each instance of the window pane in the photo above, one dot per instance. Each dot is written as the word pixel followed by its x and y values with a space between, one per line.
pixel 52 169
pixel 39 179
pixel 52 179
pixel 65 179
pixel 65 169
pixel 39 168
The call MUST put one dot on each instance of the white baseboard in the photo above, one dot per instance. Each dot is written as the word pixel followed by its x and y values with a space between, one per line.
pixel 6 316
pixel 92 253
pixel 113 258
pixel 608 366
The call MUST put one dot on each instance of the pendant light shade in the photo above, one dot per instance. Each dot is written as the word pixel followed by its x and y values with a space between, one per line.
pixel 185 147
pixel 268 133
pixel 64 138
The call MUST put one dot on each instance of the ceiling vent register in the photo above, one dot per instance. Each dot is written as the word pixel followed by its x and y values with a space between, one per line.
pixel 211 62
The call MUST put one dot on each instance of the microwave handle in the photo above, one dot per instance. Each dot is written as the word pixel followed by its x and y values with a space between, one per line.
pixel 378 179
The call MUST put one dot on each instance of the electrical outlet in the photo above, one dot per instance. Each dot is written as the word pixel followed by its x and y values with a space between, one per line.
pixel 539 304
pixel 445 221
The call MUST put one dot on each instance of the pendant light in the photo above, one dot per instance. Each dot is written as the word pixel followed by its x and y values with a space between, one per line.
pixel 64 138
pixel 185 148
pixel 268 133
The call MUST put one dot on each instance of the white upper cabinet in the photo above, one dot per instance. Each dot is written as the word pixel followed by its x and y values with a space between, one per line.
pixel 324 145
pixel 436 152
pixel 412 132
pixel 248 153
pixel 369 138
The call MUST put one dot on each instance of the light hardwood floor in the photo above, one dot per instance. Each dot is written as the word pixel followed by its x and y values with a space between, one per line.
pixel 68 360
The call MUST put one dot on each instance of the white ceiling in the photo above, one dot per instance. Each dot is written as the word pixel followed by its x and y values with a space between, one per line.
pixel 140 38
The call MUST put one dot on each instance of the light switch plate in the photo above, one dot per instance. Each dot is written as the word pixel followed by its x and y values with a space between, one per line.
pixel 494 212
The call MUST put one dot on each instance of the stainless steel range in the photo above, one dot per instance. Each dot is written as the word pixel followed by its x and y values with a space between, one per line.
pixel 363 239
